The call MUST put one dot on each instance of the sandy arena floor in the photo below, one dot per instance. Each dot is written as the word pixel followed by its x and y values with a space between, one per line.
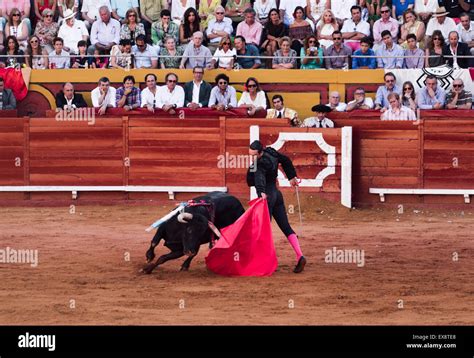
pixel 418 270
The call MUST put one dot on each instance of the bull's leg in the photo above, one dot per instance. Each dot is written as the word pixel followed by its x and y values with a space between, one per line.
pixel 150 254
pixel 187 262
pixel 161 260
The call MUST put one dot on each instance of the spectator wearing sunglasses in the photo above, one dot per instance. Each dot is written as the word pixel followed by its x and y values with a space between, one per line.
pixel 253 98
pixel 360 101
pixel 224 56
pixel 458 97
pixel 408 96
pixel 47 30
pixel 170 96
pixel 384 23
pixel 219 27
pixel 121 8
pixel 144 54
pixel 223 96
pixel 381 98
pixel 338 53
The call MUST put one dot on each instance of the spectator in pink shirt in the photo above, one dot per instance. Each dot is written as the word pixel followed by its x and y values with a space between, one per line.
pixel 384 23
pixel 250 29
pixel 6 7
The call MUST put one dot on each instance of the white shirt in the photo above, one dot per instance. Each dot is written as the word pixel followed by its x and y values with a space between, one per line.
pixel 404 114
pixel 148 97
pixel 262 10
pixel 367 102
pixel 260 100
pixel 73 34
pixel 63 60
pixel 224 25
pixel 177 10
pixel 420 6
pixel 144 59
pixel 105 33
pixel 91 7
pixel 167 97
pixel 350 26
pixel 109 99
pixel 196 89
pixel 289 7
pixel 466 35
pixel 342 8
pixel 316 123
pixel 341 107
pixel 446 27
pixel 222 58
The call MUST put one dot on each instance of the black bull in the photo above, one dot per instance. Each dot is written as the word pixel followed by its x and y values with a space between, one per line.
pixel 185 233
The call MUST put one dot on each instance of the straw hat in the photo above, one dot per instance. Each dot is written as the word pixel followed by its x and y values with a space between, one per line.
pixel 440 11
pixel 68 14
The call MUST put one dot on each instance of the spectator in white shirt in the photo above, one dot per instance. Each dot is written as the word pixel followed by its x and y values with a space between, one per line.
pixel 262 8
pixel 224 55
pixel 424 8
pixel 397 111
pixel 465 30
pixel 335 102
pixel 253 98
pixel 72 31
pixel 360 101
pixel 355 29
pixel 150 93
pixel 105 32
pixel 90 10
pixel 145 54
pixel 342 9
pixel 170 96
pixel 218 28
pixel 440 22
pixel 59 58
pixel 103 96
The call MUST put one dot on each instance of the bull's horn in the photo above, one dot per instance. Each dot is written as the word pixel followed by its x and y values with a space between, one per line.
pixel 185 217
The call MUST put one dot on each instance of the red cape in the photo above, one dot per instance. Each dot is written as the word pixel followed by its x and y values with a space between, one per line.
pixel 246 247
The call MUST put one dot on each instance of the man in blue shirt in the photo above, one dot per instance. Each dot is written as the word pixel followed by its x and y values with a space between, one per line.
pixel 250 62
pixel 432 96
pixel 391 54
pixel 381 98
pixel 365 50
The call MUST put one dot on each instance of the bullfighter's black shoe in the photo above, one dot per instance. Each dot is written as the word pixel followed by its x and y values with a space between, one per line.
pixel 300 265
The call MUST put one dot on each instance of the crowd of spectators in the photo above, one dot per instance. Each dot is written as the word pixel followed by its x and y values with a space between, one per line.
pixel 277 34
pixel 394 103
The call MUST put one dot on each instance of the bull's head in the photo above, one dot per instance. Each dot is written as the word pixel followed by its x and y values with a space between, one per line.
pixel 195 231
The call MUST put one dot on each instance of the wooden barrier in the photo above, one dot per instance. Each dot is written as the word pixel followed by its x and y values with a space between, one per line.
pixel 123 151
